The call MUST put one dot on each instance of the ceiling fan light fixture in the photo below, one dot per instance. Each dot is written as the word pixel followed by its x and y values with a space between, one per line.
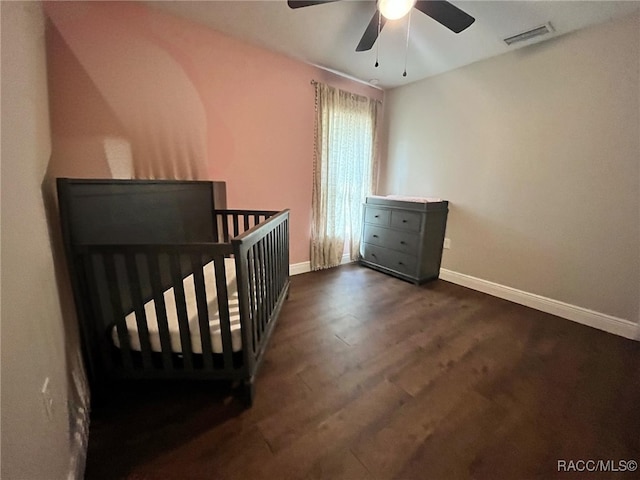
pixel 395 9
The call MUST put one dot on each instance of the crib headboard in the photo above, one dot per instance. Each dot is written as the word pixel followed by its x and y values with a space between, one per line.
pixel 138 211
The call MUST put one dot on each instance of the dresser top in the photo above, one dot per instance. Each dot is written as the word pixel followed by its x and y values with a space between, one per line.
pixel 407 204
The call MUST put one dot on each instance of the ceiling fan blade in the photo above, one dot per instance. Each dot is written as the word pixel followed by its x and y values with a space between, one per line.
pixel 307 3
pixel 370 35
pixel 445 13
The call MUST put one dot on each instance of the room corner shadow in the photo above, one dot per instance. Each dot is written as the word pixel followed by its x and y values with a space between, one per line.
pixel 143 420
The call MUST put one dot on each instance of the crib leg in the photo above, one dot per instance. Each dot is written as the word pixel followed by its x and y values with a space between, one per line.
pixel 249 392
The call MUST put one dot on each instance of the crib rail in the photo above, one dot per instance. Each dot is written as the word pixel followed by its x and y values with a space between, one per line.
pixel 262 256
pixel 232 223
pixel 119 280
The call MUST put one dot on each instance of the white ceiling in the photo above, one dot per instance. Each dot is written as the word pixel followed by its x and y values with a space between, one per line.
pixel 327 35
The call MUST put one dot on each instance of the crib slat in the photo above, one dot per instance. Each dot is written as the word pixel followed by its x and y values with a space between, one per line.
pixel 216 222
pixel 284 258
pixel 272 270
pixel 94 295
pixel 280 254
pixel 225 227
pixel 284 261
pixel 265 274
pixel 138 307
pixel 118 314
pixel 278 257
pixel 223 312
pixel 287 240
pixel 263 288
pixel 246 222
pixel 276 263
pixel 268 277
pixel 236 229
pixel 203 310
pixel 181 310
pixel 267 281
pixel 257 317
pixel 153 262
pixel 252 295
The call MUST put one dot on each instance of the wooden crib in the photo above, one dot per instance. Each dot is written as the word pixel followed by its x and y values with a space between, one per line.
pixel 168 286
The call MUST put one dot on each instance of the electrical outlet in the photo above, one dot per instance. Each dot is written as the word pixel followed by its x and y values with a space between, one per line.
pixel 447 243
pixel 47 398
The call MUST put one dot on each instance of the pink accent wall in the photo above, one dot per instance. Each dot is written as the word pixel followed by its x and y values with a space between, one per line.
pixel 191 102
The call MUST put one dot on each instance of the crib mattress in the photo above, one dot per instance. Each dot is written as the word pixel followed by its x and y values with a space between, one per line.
pixel 192 313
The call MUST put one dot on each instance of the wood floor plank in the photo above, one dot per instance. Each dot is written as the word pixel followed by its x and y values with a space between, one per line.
pixel 341 464
pixel 335 432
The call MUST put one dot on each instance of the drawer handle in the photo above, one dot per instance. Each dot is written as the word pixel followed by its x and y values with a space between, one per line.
pixel 376 216
pixel 373 255
pixel 404 221
pixel 402 242
pixel 375 236
pixel 400 263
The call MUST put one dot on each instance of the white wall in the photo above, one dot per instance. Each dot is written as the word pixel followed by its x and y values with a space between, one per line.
pixel 33 446
pixel 538 151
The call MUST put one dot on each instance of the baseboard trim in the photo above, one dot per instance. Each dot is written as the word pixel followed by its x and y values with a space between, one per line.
pixel 298 268
pixel 601 321
pixel 305 267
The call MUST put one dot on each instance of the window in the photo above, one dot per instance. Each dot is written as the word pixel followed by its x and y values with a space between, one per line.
pixel 344 173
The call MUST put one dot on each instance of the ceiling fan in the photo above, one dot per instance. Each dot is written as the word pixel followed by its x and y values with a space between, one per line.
pixel 440 10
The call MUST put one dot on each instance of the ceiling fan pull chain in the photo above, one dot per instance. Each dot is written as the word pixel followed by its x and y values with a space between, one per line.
pixel 378 38
pixel 406 48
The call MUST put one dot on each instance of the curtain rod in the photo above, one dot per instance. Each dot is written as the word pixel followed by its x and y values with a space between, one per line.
pixel 315 82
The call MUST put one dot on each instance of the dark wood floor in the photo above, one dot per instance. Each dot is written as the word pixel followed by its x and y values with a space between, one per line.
pixel 369 377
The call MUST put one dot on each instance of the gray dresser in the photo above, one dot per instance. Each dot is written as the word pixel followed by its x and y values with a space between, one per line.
pixel 404 238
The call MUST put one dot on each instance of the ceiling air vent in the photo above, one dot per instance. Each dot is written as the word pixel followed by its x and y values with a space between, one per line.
pixel 529 34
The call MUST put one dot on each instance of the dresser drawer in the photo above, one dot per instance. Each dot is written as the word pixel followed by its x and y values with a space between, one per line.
pixel 397 261
pixel 377 216
pixel 377 235
pixel 373 253
pixel 403 263
pixel 405 220
pixel 406 242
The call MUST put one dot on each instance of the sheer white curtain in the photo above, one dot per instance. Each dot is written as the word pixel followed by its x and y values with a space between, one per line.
pixel 344 172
